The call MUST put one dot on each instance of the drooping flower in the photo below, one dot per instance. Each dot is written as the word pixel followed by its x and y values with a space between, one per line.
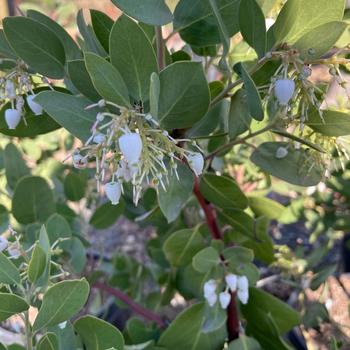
pixel 14 250
pixel 10 89
pixel 12 117
pixel 242 283
pixel 34 106
pixel 99 138
pixel 79 161
pixel 196 162
pixel 3 243
pixel 210 287
pixel 211 299
pixel 284 90
pixel 123 172
pixel 113 192
pixel 224 298
pixel 243 296
pixel 130 145
pixel 231 281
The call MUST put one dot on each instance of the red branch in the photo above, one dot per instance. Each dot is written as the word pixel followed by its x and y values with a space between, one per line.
pixel 211 218
pixel 137 308
pixel 209 211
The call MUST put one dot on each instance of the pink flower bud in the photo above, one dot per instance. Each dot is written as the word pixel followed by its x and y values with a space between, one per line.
pixel 12 117
pixel 231 281
pixel 35 107
pixel 224 299
pixel 130 145
pixel 113 192
pixel 284 90
pixel 196 162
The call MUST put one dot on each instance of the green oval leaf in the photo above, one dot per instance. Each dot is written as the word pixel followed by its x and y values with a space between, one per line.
pixel 9 274
pixel 309 45
pixel 177 192
pixel 11 304
pixel 299 167
pixel 98 334
pixel 252 25
pixel 61 301
pixel 153 12
pixel 102 25
pixel 298 17
pixel 106 215
pixel 253 97
pixel 107 80
pixel 57 227
pixel 267 207
pixel 188 325
pixel 15 166
pixel 49 341
pixel 71 48
pixel 205 260
pixel 37 264
pixel 187 101
pixel 222 191
pixel 182 245
pixel 69 111
pixel 133 55
pixel 196 21
pixel 36 45
pixel 74 186
pixel 32 200
pixel 80 78
pixel 334 123
pixel 262 303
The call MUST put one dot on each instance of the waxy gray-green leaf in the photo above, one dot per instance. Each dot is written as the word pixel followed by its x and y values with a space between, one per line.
pixel 11 304
pixel 97 334
pixel 61 302
pixel 133 55
pixel 298 17
pixel 107 80
pixel 69 111
pixel 252 25
pixel 153 12
pixel 9 274
pixel 184 95
pixel 38 46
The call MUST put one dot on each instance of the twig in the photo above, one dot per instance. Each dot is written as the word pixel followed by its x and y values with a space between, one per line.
pixel 209 211
pixel 211 218
pixel 160 48
pixel 239 141
pixel 137 308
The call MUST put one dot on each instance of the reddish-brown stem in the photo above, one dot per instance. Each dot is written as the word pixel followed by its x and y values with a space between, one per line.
pixel 137 308
pixel 209 211
pixel 232 319
pixel 211 218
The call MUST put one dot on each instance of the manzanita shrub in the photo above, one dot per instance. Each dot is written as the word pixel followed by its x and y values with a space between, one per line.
pixel 151 136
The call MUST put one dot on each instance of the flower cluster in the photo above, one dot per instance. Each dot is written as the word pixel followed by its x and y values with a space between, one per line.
pixel 130 147
pixel 12 248
pixel 13 86
pixel 234 283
